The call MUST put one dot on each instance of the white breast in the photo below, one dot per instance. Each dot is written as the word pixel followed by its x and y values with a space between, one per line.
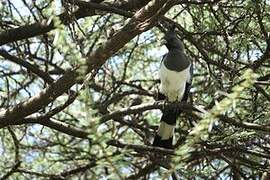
pixel 173 83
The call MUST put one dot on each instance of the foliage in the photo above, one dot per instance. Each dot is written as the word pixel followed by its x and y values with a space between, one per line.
pixel 102 126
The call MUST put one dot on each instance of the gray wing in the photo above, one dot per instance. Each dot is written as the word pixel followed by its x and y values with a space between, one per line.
pixel 188 83
pixel 191 73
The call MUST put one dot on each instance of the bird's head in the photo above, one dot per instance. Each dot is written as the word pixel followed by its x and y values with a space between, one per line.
pixel 171 41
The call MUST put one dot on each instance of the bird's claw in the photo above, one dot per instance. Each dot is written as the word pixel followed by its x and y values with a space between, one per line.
pixel 160 96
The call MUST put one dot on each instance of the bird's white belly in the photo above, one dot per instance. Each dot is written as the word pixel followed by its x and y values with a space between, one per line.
pixel 173 83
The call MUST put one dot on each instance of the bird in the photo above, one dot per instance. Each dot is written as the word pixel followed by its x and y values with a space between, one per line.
pixel 175 73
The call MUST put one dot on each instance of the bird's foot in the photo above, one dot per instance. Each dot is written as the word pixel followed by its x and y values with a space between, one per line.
pixel 175 107
pixel 166 105
pixel 160 96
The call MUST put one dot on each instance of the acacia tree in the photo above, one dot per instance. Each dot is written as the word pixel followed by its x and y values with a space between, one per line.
pixel 79 81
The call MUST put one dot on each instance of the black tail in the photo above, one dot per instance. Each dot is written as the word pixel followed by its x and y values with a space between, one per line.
pixel 168 122
pixel 164 136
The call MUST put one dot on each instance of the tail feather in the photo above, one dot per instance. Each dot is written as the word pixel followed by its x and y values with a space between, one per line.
pixel 167 143
pixel 164 136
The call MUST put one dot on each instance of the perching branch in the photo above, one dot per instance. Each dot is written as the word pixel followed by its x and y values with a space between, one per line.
pixel 149 106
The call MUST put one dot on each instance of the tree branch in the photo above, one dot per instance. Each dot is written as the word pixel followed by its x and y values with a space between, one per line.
pixel 64 128
pixel 43 27
pixel 149 106
pixel 245 125
pixel 141 21
pixel 45 76
pixel 14 114
pixel 141 148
